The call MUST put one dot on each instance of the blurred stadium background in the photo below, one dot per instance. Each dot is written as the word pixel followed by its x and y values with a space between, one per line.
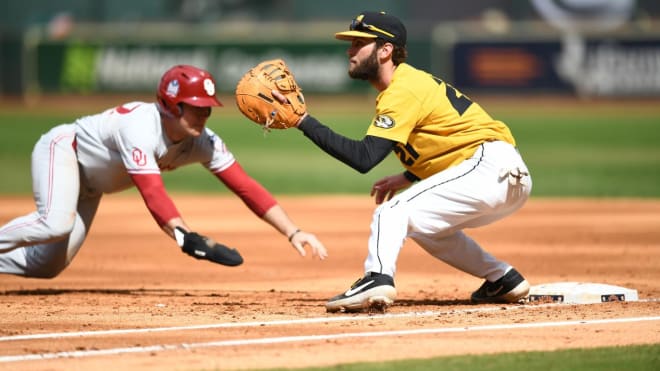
pixel 592 48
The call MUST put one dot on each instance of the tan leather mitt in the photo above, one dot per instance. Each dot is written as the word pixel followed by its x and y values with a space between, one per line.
pixel 255 99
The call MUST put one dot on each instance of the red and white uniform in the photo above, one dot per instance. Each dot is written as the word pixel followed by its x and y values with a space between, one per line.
pixel 73 165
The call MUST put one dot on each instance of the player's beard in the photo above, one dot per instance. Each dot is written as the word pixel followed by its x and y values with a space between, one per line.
pixel 367 69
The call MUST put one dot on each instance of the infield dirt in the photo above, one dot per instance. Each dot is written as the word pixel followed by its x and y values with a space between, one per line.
pixel 129 275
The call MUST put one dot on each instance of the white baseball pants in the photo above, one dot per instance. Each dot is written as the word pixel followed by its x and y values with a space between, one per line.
pixel 490 185
pixel 43 243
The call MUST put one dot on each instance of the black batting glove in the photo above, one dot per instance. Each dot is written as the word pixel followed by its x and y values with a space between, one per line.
pixel 202 247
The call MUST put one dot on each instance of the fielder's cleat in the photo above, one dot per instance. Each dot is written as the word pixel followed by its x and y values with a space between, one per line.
pixel 374 291
pixel 511 288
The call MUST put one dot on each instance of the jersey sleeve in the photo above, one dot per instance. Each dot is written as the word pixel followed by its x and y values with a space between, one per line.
pixel 217 157
pixel 152 190
pixel 253 194
pixel 396 114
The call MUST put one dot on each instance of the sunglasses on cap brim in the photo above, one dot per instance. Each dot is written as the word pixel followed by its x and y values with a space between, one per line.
pixel 359 25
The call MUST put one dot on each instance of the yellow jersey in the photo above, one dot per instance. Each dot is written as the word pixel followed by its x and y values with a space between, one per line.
pixel 434 125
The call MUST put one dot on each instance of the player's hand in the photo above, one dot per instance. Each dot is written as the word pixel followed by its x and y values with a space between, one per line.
pixel 302 238
pixel 385 188
pixel 284 100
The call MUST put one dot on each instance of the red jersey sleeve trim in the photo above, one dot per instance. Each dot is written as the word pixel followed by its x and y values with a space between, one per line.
pixel 155 197
pixel 253 194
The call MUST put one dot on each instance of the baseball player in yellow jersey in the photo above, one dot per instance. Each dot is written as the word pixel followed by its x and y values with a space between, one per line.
pixel 462 169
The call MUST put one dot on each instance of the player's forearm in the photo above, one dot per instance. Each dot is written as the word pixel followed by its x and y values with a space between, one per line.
pixel 171 224
pixel 361 155
pixel 155 197
pixel 278 219
pixel 253 194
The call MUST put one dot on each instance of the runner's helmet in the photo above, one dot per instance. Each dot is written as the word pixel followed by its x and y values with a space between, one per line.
pixel 186 84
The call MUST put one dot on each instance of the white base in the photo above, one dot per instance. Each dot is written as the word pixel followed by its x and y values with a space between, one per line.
pixel 580 293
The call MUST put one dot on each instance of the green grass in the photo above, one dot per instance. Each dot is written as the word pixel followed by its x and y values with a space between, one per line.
pixel 591 156
pixel 630 358
pixel 571 153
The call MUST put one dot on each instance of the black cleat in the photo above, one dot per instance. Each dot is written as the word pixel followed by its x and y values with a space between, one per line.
pixel 511 288
pixel 374 291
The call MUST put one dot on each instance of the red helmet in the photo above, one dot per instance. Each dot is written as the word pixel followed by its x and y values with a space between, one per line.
pixel 187 84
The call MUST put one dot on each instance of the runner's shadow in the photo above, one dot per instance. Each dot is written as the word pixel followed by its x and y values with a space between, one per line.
pixel 431 302
pixel 127 292
pixel 399 302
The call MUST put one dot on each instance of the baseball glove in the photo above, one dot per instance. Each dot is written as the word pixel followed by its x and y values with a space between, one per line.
pixel 255 99
pixel 202 247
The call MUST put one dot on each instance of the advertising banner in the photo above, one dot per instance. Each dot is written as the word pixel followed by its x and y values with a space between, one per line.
pixel 590 67
pixel 97 68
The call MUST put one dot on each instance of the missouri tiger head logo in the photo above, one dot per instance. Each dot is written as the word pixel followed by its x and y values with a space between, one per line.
pixel 384 122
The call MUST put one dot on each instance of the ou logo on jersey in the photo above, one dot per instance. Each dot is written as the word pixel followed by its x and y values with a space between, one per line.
pixel 139 157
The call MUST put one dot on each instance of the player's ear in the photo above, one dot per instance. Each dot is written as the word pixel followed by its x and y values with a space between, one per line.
pixel 386 50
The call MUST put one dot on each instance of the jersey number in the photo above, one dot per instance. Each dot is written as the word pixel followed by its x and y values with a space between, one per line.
pixel 407 155
pixel 460 104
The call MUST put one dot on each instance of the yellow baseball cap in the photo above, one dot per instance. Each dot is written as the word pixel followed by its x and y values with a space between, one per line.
pixel 374 25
